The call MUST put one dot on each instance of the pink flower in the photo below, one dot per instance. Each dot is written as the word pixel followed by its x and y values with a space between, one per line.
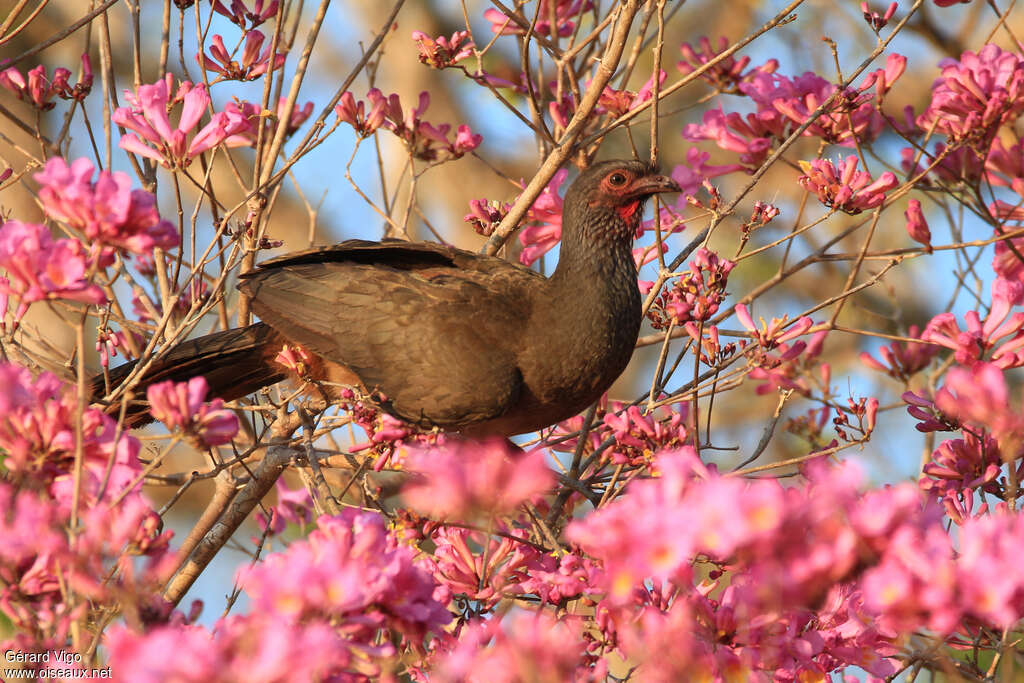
pixel 40 268
pixel 485 215
pixel 425 140
pixel 253 63
pixel 850 116
pixel 696 295
pixel 696 171
pixel 875 20
pixel 844 188
pixel 106 211
pixel 958 467
pixel 749 136
pixel 976 95
pixel 564 11
pixel 180 405
pixel 239 14
pixel 465 479
pixel 618 102
pixel 518 647
pixel 901 360
pixel 979 395
pixel 39 91
pixel 354 113
pixel 545 218
pixel 353 572
pixel 441 52
pixel 917 226
pixel 998 340
pixel 173 147
pixel 728 73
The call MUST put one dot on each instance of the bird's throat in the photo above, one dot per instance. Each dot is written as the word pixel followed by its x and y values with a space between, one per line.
pixel 626 212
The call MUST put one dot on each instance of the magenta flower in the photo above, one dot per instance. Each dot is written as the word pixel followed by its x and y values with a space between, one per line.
pixel 40 268
pixel 697 294
pixel 354 113
pixel 424 140
pixel 466 479
pixel 545 216
pixel 842 187
pixel 979 395
pixel 875 20
pixel 565 11
pixel 441 52
pixel 618 102
pixel 239 13
pixel 696 171
pixel 748 136
pixel 180 405
pixel 851 116
pixel 485 215
pixel 252 65
pixel 106 211
pixel 976 95
pixel 958 467
pixel 1005 165
pixel 728 73
pixel 917 226
pixel 173 147
pixel 352 571
pixel 988 340
pixel 40 91
pixel 902 360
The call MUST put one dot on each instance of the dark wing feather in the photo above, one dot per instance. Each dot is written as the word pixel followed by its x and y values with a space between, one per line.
pixel 406 318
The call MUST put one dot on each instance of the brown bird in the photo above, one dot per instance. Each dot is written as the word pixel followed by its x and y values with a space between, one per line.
pixel 449 338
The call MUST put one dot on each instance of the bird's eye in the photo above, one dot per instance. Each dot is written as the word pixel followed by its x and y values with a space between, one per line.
pixel 617 179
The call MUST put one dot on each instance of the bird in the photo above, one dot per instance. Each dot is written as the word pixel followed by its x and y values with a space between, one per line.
pixel 441 337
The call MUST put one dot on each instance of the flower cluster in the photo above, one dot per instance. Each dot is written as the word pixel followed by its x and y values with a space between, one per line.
pixel 39 267
pixel 441 52
pixel 37 89
pixel 106 211
pixel 842 187
pixel 696 295
pixel 255 62
pixel 180 405
pixel 175 147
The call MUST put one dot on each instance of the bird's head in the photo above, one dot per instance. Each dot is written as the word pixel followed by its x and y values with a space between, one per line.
pixel 607 199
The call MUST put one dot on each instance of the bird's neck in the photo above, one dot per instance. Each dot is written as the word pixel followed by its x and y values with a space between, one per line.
pixel 596 250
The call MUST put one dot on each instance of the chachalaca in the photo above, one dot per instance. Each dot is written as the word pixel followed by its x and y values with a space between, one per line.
pixel 445 337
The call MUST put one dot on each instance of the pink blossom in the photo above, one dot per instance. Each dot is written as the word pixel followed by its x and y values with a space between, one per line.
pixel 979 395
pixel 485 215
pixel 1004 166
pixel 516 648
pixel 850 116
pixel 564 10
pixel 441 52
pixel 749 136
pixel 618 102
pixel 998 340
pixel 173 147
pixel 466 479
pixel 239 13
pixel 352 571
pixel 875 20
pixel 696 170
pixel 728 73
pixel 106 210
pixel 901 360
pixel 253 64
pixel 180 405
pixel 39 267
pixel 354 113
pixel 917 226
pixel 697 294
pixel 40 91
pixel 958 467
pixel 425 140
pixel 976 95
pixel 842 187
pixel 545 216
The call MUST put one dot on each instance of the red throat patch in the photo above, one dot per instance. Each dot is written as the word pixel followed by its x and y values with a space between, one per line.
pixel 628 210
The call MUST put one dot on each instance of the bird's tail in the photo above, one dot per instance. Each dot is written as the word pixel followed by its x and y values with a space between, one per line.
pixel 234 363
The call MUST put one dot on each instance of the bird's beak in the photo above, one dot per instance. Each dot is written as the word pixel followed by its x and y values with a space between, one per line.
pixel 647 185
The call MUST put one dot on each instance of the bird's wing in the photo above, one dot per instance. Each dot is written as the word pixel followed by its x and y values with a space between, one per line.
pixel 435 329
